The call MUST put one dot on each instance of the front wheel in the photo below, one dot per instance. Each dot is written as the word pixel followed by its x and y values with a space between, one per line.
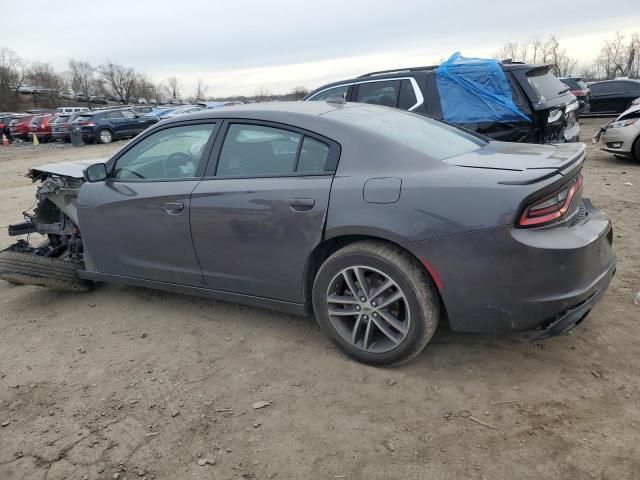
pixel 376 303
pixel 636 149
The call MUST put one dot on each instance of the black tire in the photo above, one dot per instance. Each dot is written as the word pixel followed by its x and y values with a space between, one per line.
pixel 29 269
pixel 411 279
pixel 636 149
pixel 104 135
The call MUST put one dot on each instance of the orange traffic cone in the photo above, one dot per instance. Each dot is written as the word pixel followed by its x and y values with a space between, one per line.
pixel 35 140
pixel 5 140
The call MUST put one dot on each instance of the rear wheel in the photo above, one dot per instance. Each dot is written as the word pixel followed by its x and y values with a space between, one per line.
pixel 105 136
pixel 636 149
pixel 376 303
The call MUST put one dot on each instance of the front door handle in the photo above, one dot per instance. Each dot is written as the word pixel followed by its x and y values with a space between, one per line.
pixel 173 208
pixel 301 204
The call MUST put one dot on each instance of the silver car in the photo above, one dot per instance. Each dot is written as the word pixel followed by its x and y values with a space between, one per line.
pixel 622 135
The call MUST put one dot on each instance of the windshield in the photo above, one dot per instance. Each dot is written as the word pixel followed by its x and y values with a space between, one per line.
pixel 547 85
pixel 431 137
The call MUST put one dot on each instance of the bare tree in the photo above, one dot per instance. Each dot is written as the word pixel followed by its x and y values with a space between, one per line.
pixel 618 58
pixel 47 83
pixel 201 90
pixel 83 79
pixel 263 95
pixel 299 92
pixel 538 51
pixel 173 88
pixel 120 80
pixel 12 74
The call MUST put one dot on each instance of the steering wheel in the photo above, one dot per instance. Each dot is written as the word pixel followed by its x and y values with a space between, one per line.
pixel 125 169
pixel 171 164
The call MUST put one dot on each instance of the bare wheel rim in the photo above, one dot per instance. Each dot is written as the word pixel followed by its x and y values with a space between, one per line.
pixel 368 309
pixel 105 136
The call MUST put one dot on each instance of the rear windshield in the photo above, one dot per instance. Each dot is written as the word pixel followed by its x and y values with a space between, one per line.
pixel 84 118
pixel 60 119
pixel 431 137
pixel 36 121
pixel 547 85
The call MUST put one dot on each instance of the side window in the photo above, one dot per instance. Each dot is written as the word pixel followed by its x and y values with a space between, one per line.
pixel 407 95
pixel 616 87
pixel 595 88
pixel 257 150
pixel 112 115
pixel 633 87
pixel 172 153
pixel 128 114
pixel 313 156
pixel 332 92
pixel 379 93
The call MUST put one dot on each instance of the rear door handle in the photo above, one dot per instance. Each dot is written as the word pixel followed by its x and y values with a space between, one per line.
pixel 173 208
pixel 301 204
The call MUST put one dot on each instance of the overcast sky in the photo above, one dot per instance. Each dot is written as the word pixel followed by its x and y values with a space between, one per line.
pixel 239 46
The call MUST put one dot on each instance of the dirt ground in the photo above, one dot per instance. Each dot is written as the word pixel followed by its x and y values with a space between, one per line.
pixel 132 383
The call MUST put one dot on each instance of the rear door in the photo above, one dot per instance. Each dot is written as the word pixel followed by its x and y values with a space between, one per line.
pixel 116 121
pixel 261 209
pixel 133 124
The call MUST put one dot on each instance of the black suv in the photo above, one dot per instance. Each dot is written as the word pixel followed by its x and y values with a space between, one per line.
pixel 104 126
pixel 536 92
pixel 613 96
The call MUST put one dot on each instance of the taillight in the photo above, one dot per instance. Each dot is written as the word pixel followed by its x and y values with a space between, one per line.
pixel 580 93
pixel 87 124
pixel 551 207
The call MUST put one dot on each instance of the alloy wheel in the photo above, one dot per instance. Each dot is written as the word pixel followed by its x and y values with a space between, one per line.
pixel 368 309
pixel 105 136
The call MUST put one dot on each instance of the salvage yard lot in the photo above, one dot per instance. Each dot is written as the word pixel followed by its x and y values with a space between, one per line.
pixel 147 384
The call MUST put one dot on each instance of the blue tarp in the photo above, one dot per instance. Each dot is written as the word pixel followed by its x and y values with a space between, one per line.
pixel 475 90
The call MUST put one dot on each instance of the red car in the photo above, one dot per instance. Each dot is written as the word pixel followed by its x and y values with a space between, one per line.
pixel 40 126
pixel 19 127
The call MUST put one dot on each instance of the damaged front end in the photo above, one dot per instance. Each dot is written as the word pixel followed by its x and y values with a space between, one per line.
pixel 54 216
pixel 52 252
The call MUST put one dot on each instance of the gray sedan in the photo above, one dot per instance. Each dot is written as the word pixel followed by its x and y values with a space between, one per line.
pixel 381 222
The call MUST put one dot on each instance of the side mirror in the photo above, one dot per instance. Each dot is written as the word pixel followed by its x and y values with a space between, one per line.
pixel 95 173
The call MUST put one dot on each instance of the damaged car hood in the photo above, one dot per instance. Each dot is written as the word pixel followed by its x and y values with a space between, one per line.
pixel 629 113
pixel 63 169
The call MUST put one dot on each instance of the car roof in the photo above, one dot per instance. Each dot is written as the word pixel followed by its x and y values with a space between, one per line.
pixel 329 119
pixel 265 111
pixel 617 80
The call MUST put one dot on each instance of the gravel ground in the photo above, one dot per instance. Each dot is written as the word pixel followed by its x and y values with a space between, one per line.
pixel 132 383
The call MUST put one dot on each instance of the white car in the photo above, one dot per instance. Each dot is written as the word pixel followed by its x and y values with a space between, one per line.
pixel 622 135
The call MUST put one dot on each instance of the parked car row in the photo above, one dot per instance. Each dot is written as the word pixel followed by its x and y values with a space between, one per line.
pixel 101 126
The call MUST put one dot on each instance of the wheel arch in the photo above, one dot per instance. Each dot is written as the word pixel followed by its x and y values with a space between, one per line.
pixel 331 245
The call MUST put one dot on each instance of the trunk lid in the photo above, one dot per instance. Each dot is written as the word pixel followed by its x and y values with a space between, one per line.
pixel 535 161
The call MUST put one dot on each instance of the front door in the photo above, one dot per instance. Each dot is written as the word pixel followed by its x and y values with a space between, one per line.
pixel 257 217
pixel 136 223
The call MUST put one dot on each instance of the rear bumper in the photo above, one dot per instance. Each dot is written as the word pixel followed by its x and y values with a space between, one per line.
pixel 508 279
